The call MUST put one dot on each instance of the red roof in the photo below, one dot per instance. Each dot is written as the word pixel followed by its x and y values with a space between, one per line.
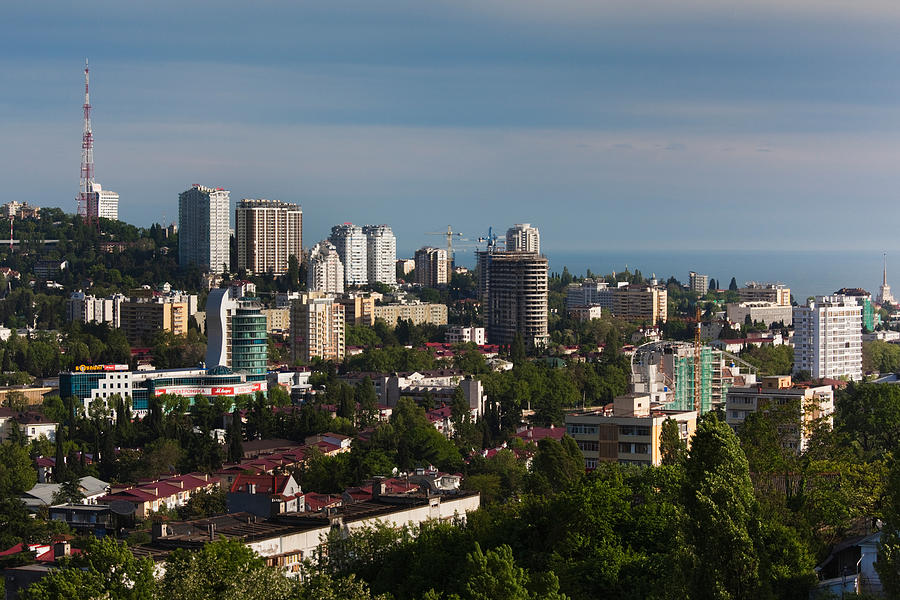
pixel 316 502
pixel 535 434
pixel 265 484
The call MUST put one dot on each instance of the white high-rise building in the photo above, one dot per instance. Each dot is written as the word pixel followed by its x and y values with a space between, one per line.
pixel 828 338
pixel 325 272
pixel 107 202
pixel 268 233
pixel 698 283
pixel 351 245
pixel 522 237
pixel 381 253
pixel 204 228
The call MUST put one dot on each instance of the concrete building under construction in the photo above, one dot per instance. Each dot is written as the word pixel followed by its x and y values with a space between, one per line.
pixel 667 371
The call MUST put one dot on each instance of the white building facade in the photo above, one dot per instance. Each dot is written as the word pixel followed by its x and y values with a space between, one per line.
pixel 522 237
pixel 381 254
pixel 352 246
pixel 204 228
pixel 325 271
pixel 107 203
pixel 828 338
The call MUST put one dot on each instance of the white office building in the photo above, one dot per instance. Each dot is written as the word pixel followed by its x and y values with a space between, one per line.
pixel 522 237
pixel 352 248
pixel 828 337
pixel 268 233
pixel 204 228
pixel 107 202
pixel 381 254
pixel 325 271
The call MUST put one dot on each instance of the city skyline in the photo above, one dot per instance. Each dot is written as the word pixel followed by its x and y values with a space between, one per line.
pixel 648 120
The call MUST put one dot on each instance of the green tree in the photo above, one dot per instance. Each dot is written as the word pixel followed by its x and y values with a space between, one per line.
pixel 222 569
pixel 721 516
pixel 69 492
pixel 733 286
pixel 672 449
pixel 494 575
pixel 556 465
pixel 367 399
pixel 105 569
pixel 888 563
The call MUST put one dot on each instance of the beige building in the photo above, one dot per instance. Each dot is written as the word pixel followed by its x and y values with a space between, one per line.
pixel 766 292
pixel 432 267
pixel 358 310
pixel 277 319
pixel 517 298
pixel 813 404
pixel 317 329
pixel 627 433
pixel 141 318
pixel 268 233
pixel 641 303
pixel 760 312
pixel 433 314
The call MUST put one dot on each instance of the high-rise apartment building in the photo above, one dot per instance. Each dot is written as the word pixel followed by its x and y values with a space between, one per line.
pixel 203 228
pixel 352 246
pixel 236 329
pixel 522 237
pixel 517 298
pixel 828 338
pixel 106 203
pixel 268 233
pixel 317 329
pixel 83 308
pixel 381 254
pixel 324 269
pixel 432 267
pixel 698 283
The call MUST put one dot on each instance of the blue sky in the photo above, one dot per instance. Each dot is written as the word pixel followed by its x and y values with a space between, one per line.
pixel 663 125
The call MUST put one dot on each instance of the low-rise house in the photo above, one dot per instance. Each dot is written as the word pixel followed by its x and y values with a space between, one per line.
pixel 265 495
pixel 42 494
pixel 169 493
pixel 95 520
pixel 850 569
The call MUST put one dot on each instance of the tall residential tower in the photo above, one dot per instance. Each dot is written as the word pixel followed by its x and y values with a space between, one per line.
pixel 381 254
pixel 203 228
pixel 351 245
pixel 268 233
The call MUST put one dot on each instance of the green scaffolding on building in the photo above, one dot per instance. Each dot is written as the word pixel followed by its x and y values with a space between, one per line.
pixel 684 382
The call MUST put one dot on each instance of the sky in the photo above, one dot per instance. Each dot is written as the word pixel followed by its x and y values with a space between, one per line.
pixel 643 123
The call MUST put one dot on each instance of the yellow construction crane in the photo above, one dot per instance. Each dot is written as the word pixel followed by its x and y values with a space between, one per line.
pixel 697 356
pixel 449 234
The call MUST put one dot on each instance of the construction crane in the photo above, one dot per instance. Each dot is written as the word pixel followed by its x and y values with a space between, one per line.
pixel 492 240
pixel 697 356
pixel 449 234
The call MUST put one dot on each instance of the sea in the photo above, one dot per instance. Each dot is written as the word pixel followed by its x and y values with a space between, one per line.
pixel 807 273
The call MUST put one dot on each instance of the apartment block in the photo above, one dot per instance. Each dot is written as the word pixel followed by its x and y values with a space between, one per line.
pixel 142 318
pixel 627 432
pixel 432 267
pixel 522 237
pixel 517 298
pixel 317 329
pixel 358 309
pixel 765 292
pixel 418 313
pixel 760 312
pixel 698 283
pixel 83 308
pixel 639 302
pixel 324 269
pixel 204 218
pixel 381 254
pixel 268 233
pixel 808 406
pixel 828 338
pixel 352 247
pixel 458 334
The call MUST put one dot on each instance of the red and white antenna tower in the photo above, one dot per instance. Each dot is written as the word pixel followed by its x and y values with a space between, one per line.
pixel 87 200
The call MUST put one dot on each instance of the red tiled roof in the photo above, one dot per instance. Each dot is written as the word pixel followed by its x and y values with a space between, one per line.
pixel 265 484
